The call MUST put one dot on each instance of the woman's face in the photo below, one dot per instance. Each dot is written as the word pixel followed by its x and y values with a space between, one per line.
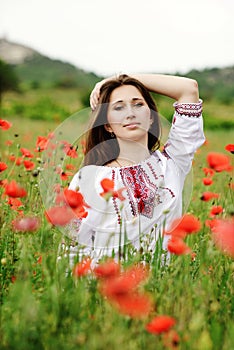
pixel 128 115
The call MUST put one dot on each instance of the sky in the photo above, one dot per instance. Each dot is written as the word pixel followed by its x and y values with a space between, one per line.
pixel 125 36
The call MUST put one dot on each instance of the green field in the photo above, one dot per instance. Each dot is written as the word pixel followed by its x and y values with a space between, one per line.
pixel 43 306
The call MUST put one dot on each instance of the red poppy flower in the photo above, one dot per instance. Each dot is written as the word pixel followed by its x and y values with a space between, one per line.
pixel 223 236
pixel 14 203
pixel 80 212
pixel 42 143
pixel 207 181
pixel 73 199
pixel 4 124
pixel 70 167
pixel 107 185
pixel 171 340
pixel 125 283
pixel 12 189
pixel 64 176
pixel 11 157
pixel 230 148
pixel 8 142
pixel 18 161
pixel 107 269
pixel 177 246
pixel 216 209
pixel 59 216
pixel 208 171
pixel 218 161
pixel 188 223
pixel 134 305
pixel 26 224
pixel 160 324
pixel 29 165
pixel 207 196
pixel 108 190
pixel 69 149
pixel 211 223
pixel 82 268
pixel 3 166
pixel 26 153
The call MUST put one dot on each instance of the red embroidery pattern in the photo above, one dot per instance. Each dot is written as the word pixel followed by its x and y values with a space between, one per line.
pixel 141 191
pixel 114 201
pixel 156 178
pixel 189 109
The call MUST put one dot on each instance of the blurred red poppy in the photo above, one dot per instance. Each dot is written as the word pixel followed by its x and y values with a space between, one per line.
pixel 72 198
pixel 230 148
pixel 4 124
pixel 8 142
pixel 177 246
pixel 3 166
pixel 208 171
pixel 219 162
pixel 29 165
pixel 126 282
pixel 12 189
pixel 14 203
pixel 59 216
pixel 207 181
pixel 134 305
pixel 223 235
pixel 82 268
pixel 69 149
pixel 187 223
pixel 171 340
pixel 108 190
pixel 160 324
pixel 26 224
pixel 26 153
pixel 216 209
pixel 207 196
pixel 42 143
pixel 107 269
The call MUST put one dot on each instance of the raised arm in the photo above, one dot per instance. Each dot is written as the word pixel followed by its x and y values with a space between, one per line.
pixel 179 88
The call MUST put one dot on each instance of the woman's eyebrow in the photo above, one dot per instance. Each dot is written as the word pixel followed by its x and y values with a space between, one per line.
pixel 133 99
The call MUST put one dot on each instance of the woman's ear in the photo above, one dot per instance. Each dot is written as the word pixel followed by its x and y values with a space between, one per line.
pixel 107 127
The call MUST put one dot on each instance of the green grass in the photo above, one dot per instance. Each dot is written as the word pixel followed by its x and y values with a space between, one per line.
pixel 44 307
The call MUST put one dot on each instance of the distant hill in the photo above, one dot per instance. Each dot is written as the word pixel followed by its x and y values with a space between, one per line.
pixel 215 83
pixel 35 69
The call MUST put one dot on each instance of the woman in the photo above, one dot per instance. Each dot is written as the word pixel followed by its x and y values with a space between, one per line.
pixel 123 146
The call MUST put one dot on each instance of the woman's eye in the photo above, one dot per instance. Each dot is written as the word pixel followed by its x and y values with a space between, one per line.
pixel 139 104
pixel 118 108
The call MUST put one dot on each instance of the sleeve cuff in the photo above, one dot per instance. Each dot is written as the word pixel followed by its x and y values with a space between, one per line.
pixel 190 109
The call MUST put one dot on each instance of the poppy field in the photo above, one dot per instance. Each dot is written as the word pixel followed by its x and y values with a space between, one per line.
pixel 136 302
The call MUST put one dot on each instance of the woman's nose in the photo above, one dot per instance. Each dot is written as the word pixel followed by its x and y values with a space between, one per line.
pixel 130 113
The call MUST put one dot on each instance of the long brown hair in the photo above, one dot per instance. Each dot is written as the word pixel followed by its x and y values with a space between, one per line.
pixel 101 146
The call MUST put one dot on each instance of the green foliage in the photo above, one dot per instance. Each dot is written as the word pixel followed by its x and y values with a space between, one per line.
pixel 43 109
pixel 44 307
pixel 215 83
pixel 49 73
pixel 8 79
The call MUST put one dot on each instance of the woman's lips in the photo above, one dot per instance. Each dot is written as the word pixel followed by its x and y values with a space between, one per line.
pixel 131 125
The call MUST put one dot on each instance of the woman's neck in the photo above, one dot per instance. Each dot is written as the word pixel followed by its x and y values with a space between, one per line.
pixel 132 152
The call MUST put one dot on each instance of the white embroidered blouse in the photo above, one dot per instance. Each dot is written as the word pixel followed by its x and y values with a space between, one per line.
pixel 153 195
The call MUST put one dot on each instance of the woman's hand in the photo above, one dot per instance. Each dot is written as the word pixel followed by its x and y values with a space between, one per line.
pixel 94 96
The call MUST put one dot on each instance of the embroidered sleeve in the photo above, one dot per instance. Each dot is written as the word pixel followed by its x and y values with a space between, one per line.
pixel 186 134
pixel 189 109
